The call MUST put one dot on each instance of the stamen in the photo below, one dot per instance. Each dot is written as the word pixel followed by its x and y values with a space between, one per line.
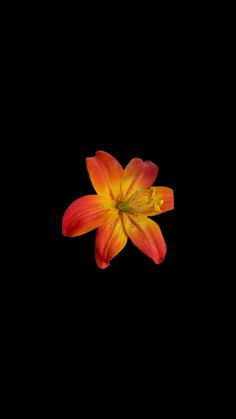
pixel 144 201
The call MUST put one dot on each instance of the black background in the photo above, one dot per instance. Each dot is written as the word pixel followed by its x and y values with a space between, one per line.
pixel 133 93
pixel 131 102
pixel 131 98
pixel 133 85
pixel 133 90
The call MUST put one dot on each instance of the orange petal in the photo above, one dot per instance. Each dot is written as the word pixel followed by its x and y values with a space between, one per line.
pixel 138 175
pixel 146 235
pixel 164 200
pixel 105 173
pixel 110 240
pixel 85 214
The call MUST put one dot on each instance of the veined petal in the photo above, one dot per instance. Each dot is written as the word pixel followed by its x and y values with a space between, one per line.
pixel 146 235
pixel 105 173
pixel 138 175
pixel 110 240
pixel 85 214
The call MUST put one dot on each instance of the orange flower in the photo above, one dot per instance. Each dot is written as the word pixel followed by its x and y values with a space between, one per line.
pixel 124 201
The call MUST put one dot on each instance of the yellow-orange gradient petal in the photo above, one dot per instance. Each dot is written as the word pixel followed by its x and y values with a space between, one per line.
pixel 146 235
pixel 138 175
pixel 110 240
pixel 163 200
pixel 85 214
pixel 105 173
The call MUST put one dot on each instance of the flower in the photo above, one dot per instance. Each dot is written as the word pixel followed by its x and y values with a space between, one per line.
pixel 120 210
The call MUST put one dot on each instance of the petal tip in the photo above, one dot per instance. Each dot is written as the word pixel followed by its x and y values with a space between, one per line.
pixel 103 266
pixel 160 259
pixel 88 159
pixel 101 263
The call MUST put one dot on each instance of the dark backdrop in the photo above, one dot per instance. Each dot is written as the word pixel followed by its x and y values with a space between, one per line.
pixel 134 95
pixel 132 102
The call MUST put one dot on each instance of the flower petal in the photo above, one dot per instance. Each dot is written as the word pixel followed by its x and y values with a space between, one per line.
pixel 146 235
pixel 110 240
pixel 85 214
pixel 105 173
pixel 164 200
pixel 138 175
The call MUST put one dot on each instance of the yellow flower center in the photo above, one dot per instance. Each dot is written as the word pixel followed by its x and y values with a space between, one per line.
pixel 123 206
pixel 144 201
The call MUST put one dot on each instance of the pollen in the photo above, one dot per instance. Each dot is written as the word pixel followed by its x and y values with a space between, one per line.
pixel 144 201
